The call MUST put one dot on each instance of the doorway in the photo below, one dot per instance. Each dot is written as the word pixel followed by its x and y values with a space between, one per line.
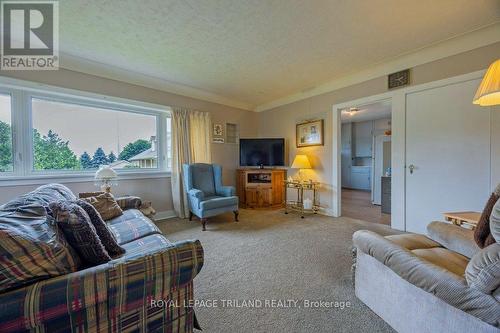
pixel 366 161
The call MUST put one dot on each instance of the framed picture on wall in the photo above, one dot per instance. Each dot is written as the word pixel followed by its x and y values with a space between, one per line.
pixel 309 133
pixel 218 130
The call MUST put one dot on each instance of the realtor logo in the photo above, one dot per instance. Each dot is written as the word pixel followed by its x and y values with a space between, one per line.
pixel 29 35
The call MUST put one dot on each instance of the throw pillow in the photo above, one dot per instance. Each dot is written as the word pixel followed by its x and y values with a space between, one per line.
pixel 483 270
pixel 32 248
pixel 90 194
pixel 79 231
pixel 495 222
pixel 106 236
pixel 106 205
pixel 482 233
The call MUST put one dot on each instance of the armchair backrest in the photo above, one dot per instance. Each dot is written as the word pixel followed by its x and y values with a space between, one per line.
pixel 200 176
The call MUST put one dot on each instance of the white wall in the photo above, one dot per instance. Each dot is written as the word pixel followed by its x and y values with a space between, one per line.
pixel 156 190
pixel 281 121
pixel 495 146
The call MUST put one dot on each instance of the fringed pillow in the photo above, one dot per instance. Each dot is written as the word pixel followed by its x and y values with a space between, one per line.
pixel 80 232
pixel 108 239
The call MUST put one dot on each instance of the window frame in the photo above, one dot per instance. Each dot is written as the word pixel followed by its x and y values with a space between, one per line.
pixel 22 93
pixel 7 92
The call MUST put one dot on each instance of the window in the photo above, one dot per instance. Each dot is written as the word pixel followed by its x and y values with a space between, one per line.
pixel 6 160
pixel 56 132
pixel 78 137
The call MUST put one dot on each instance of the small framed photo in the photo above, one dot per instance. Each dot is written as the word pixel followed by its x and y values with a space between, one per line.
pixel 218 140
pixel 309 134
pixel 218 130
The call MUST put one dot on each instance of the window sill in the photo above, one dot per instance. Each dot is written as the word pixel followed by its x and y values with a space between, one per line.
pixel 75 178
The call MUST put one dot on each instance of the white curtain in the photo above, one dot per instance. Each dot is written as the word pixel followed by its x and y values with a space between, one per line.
pixel 190 144
pixel 199 134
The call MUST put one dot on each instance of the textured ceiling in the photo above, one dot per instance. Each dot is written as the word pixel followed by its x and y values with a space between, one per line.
pixel 257 51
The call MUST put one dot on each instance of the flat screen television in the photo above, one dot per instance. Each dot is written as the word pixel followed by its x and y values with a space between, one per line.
pixel 262 152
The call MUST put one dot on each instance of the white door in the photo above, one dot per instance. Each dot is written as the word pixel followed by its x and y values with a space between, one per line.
pixel 447 153
pixel 378 167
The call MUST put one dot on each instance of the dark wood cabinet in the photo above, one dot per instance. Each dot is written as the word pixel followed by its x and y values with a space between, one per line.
pixel 260 188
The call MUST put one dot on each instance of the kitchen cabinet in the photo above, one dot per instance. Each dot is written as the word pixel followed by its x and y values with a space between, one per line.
pixel 362 138
pixel 360 177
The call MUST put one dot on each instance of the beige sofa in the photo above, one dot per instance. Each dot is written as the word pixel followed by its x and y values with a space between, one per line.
pixel 440 283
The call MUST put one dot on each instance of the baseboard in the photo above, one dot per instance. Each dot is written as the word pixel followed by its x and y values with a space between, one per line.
pixel 325 211
pixel 166 214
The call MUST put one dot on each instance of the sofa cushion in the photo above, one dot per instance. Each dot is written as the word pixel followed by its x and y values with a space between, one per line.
pixel 79 231
pixel 449 260
pixel 107 238
pixel 105 204
pixel 495 221
pixel 413 241
pixel 32 248
pixel 148 244
pixel 214 202
pixel 483 271
pixel 131 225
pixel 453 237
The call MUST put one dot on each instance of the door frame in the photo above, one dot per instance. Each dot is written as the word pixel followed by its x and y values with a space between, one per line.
pixel 398 145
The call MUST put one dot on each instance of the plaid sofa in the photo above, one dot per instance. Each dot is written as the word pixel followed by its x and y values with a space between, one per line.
pixel 118 296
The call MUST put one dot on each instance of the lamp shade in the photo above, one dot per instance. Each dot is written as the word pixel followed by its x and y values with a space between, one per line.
pixel 301 162
pixel 488 92
pixel 105 172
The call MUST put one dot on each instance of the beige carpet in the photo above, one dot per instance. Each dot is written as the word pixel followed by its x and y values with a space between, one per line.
pixel 270 256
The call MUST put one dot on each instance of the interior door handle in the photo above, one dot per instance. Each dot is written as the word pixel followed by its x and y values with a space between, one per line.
pixel 411 167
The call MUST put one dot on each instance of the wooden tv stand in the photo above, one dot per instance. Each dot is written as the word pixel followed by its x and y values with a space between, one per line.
pixel 261 188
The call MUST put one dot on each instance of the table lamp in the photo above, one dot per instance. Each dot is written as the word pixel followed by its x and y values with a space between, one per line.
pixel 488 92
pixel 301 162
pixel 105 178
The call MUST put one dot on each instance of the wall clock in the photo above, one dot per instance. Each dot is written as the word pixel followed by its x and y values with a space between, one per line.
pixel 399 79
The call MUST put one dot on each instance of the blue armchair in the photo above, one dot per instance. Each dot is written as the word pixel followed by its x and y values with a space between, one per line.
pixel 205 193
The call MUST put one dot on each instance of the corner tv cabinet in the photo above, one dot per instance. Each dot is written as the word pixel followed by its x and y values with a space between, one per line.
pixel 261 188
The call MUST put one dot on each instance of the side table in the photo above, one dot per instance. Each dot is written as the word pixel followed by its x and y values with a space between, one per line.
pixel 298 204
pixel 468 219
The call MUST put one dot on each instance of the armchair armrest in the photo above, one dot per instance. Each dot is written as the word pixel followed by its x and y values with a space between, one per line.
pixel 169 268
pixel 453 237
pixel 129 202
pixel 118 286
pixel 226 191
pixel 196 194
